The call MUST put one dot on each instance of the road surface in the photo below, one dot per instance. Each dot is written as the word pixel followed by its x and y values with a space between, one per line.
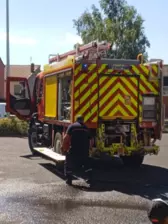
pixel 33 191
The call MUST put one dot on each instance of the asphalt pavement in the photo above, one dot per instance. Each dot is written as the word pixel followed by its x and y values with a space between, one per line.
pixel 32 190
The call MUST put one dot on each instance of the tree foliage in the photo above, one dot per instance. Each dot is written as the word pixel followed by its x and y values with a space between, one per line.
pixel 118 23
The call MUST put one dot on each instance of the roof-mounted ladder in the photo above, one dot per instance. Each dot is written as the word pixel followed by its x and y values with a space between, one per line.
pixel 93 47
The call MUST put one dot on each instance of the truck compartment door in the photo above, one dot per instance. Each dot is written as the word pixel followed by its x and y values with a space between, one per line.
pixel 118 96
pixel 18 97
pixel 51 96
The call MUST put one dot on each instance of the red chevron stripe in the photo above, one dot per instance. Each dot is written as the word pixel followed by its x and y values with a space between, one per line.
pixel 131 72
pixel 88 87
pixel 146 76
pixel 104 71
pixel 84 81
pixel 130 80
pixel 125 86
pixel 108 89
pixel 141 81
pixel 102 107
pixel 77 66
pixel 153 84
pixel 128 90
pixel 141 70
pixel 126 109
pixel 133 84
pixel 116 71
pixel 131 93
pixel 125 76
pixel 116 104
pixel 114 94
pixel 87 100
pixel 112 107
pixel 132 105
pixel 94 115
pixel 154 72
pixel 90 96
pixel 88 109
pixel 100 97
pixel 89 73
pixel 105 81
pixel 94 81
pixel 118 114
pixel 145 86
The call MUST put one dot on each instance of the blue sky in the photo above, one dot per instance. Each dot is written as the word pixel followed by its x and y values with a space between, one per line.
pixel 39 28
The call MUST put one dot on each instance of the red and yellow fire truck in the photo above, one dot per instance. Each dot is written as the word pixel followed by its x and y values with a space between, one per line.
pixel 120 100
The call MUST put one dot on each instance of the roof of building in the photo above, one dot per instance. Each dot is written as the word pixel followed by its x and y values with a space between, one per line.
pixel 20 70
pixel 1 61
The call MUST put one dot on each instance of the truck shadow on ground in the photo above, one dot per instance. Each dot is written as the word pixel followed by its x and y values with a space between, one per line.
pixel 148 181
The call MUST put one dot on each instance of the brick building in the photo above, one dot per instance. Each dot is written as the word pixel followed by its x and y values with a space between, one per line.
pixel 2 74
pixel 165 89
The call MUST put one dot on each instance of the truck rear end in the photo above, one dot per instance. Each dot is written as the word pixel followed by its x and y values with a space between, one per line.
pixel 121 102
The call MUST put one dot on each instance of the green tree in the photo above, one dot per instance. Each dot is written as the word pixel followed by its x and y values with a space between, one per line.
pixel 119 23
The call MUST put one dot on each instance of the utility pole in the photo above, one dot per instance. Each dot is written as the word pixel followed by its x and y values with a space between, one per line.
pixel 7 41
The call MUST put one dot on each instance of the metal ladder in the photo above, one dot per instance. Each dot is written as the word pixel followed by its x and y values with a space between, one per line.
pixel 93 47
pixel 81 50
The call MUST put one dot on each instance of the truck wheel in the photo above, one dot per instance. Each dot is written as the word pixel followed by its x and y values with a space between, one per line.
pixel 57 149
pixel 32 139
pixel 133 161
pixel 57 143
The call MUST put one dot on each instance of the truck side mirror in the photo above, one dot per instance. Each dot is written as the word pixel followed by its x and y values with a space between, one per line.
pixel 38 100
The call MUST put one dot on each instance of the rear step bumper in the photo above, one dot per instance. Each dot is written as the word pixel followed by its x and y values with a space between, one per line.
pixel 49 153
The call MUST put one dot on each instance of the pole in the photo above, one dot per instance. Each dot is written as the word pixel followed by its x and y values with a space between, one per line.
pixel 7 41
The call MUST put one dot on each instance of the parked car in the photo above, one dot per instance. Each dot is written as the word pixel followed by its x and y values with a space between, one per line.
pixel 3 112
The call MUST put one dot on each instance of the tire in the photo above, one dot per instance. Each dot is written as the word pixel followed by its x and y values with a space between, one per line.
pixel 69 180
pixel 57 143
pixel 32 133
pixel 133 161
pixel 57 149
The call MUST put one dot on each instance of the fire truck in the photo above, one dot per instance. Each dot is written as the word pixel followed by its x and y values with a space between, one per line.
pixel 120 100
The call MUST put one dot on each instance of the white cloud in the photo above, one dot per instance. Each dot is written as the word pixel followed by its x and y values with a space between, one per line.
pixel 71 38
pixel 61 44
pixel 68 40
pixel 14 39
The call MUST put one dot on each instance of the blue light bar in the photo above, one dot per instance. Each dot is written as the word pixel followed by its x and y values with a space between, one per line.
pixel 84 66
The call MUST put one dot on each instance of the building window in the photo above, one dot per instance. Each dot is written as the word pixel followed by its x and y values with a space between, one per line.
pixel 165 81
pixel 165 86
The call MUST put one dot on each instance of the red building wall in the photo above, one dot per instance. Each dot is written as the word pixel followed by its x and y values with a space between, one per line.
pixel 2 78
